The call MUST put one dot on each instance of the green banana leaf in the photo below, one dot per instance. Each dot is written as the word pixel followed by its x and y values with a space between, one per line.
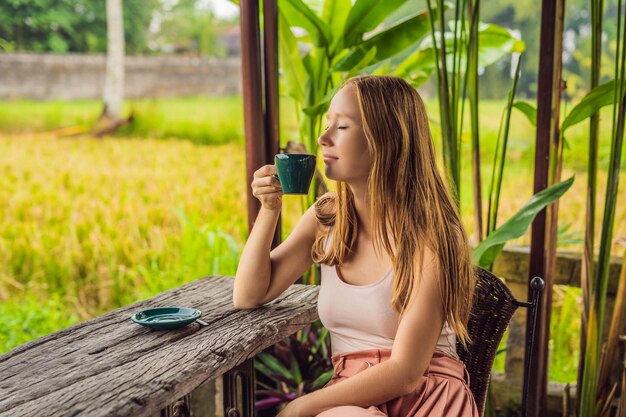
pixel 365 16
pixel 494 42
pixel 320 107
pixel 528 110
pixel 485 253
pixel 300 15
pixel 356 60
pixel 409 9
pixel 597 98
pixel 294 72
pixel 335 13
pixel 389 42
pixel 418 67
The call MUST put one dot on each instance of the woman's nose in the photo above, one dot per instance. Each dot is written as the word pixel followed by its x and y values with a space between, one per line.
pixel 323 139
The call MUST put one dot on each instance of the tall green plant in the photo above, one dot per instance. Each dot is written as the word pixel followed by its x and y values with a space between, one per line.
pixel 472 82
pixel 459 53
pixel 607 388
pixel 587 267
pixel 590 404
pixel 497 172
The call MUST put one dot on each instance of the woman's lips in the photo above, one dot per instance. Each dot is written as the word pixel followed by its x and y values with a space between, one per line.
pixel 329 158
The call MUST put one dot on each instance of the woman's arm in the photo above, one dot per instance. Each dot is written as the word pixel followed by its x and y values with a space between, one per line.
pixel 255 269
pixel 262 275
pixel 416 338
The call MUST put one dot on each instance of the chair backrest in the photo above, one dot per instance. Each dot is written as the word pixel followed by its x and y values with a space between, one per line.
pixel 492 310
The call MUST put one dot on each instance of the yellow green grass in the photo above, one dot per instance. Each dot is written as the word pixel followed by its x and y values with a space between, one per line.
pixel 208 121
pixel 103 223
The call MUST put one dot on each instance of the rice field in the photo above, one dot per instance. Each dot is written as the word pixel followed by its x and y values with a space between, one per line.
pixel 88 225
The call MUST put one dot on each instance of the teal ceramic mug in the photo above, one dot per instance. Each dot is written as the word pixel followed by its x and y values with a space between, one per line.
pixel 295 171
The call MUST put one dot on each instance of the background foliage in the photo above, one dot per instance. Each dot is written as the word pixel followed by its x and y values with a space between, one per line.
pixel 70 25
pixel 150 26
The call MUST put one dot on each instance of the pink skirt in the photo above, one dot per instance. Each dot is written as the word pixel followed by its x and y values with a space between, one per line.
pixel 443 390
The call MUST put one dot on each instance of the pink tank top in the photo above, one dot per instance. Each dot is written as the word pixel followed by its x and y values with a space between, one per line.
pixel 360 317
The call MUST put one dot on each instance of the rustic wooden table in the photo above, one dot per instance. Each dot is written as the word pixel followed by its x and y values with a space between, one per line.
pixel 110 366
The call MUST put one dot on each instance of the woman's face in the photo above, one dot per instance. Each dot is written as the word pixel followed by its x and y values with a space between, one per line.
pixel 344 145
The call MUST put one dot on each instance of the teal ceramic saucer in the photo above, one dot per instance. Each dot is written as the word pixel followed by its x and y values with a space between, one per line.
pixel 166 318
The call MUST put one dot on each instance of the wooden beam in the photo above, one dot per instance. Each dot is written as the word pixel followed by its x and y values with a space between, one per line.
pixel 270 54
pixel 538 370
pixel 252 87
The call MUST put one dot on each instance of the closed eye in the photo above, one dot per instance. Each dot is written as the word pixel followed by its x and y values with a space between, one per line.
pixel 342 127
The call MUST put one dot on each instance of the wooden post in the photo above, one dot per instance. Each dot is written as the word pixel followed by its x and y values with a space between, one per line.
pixel 538 373
pixel 259 72
pixel 270 54
pixel 251 83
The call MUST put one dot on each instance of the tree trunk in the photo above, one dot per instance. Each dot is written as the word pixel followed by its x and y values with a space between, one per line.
pixel 114 79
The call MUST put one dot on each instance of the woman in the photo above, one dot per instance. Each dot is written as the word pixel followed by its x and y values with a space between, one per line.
pixel 397 280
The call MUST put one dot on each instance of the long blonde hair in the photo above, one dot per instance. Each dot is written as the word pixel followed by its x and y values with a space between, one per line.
pixel 409 201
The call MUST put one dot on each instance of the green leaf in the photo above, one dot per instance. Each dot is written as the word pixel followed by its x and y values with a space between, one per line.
pixel 322 380
pixel 274 365
pixel 391 41
pixel 409 63
pixel 295 369
pixel 409 9
pixel 590 371
pixel 417 67
pixel 259 366
pixel 529 111
pixel 597 98
pixel 357 59
pixel 485 253
pixel 365 16
pixel 262 368
pixel 494 42
pixel 321 107
pixel 293 67
pixel 318 69
pixel 321 339
pixel 300 15
pixel 335 13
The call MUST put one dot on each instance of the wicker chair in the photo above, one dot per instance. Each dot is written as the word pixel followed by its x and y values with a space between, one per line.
pixel 492 311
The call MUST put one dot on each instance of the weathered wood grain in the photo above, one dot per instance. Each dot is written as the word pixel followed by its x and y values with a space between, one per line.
pixel 112 366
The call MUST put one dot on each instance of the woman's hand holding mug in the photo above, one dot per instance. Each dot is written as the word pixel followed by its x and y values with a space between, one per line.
pixel 266 187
